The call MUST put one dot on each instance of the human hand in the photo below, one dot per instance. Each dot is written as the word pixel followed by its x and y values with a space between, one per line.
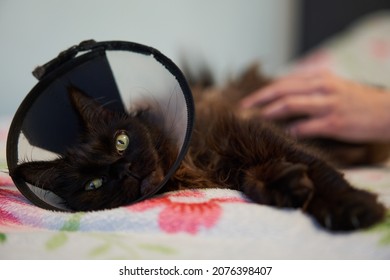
pixel 334 107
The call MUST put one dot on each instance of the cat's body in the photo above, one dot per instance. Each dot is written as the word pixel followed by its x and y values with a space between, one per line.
pixel 342 154
pixel 121 157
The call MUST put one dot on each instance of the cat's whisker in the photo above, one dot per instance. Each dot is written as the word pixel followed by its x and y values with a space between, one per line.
pixel 168 119
pixel 45 194
pixel 63 204
pixel 103 105
pixel 174 117
pixel 5 171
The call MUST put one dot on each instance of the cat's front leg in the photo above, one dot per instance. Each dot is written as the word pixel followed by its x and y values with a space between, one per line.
pixel 278 183
pixel 336 204
pixel 327 197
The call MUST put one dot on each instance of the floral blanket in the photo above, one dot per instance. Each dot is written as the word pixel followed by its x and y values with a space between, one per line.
pixel 206 224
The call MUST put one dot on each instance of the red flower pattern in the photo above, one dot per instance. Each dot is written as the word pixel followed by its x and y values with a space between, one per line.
pixel 380 49
pixel 9 196
pixel 186 211
pixel 5 181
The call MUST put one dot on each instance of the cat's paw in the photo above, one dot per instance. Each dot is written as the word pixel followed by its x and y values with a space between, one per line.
pixel 354 209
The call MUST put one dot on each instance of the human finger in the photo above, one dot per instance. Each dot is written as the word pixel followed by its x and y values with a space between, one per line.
pixel 315 104
pixel 291 85
pixel 314 127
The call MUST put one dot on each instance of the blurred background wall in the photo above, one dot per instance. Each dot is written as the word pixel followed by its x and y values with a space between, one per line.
pixel 226 35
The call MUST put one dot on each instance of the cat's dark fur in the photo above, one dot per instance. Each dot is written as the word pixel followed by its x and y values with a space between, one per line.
pixel 229 149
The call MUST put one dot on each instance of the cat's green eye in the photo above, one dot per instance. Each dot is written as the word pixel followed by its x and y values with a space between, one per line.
pixel 94 184
pixel 121 142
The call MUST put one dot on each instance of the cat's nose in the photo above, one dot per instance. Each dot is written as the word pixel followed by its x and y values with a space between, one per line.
pixel 130 172
pixel 121 170
pixel 128 166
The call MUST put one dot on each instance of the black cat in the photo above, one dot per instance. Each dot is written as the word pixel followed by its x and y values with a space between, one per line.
pixel 121 157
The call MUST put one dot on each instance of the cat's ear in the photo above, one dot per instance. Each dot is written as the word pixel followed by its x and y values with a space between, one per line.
pixel 89 111
pixel 42 174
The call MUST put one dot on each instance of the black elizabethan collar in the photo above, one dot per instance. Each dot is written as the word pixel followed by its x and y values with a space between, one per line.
pixel 46 122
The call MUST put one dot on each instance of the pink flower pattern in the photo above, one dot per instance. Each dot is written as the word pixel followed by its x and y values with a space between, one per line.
pixel 186 211
pixel 5 181
pixel 380 49
pixel 7 197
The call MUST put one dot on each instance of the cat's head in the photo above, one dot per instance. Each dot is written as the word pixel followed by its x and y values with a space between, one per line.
pixel 119 158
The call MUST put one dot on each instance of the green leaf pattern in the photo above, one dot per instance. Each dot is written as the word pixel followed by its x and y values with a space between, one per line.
pixel 384 229
pixel 111 244
pixel 3 237
pixel 60 239
pixel 56 241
